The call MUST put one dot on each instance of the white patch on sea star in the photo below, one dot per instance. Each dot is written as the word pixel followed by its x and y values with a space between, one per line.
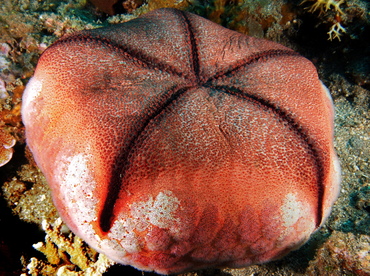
pixel 123 230
pixel 76 188
pixel 292 210
pixel 159 211
pixel 31 93
pixel 297 219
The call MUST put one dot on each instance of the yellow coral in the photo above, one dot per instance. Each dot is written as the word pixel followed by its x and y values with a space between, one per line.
pixel 66 255
pixel 335 31
pixel 325 5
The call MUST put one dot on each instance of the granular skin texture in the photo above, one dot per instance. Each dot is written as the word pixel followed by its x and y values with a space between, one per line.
pixel 199 146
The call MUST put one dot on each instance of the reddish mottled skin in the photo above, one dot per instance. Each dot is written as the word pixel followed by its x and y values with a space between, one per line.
pixel 171 143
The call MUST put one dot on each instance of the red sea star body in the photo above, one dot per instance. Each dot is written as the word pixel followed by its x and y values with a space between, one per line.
pixel 171 143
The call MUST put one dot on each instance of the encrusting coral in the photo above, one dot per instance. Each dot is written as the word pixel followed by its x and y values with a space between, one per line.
pixel 7 142
pixel 66 255
pixel 342 254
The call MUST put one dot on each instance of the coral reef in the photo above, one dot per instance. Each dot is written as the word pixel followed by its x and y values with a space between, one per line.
pixel 337 14
pixel 66 255
pixel 32 203
pixel 7 141
pixel 325 5
pixel 336 31
pixel 342 254
pixel 256 18
pixel 28 26
pixel 114 6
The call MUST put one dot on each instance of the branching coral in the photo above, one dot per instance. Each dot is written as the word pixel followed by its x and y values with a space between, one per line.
pixel 336 31
pixel 66 255
pixel 324 6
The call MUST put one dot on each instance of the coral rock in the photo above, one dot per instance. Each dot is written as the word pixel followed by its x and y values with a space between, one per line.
pixel 342 254
pixel 7 142
pixel 112 7
pixel 171 143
